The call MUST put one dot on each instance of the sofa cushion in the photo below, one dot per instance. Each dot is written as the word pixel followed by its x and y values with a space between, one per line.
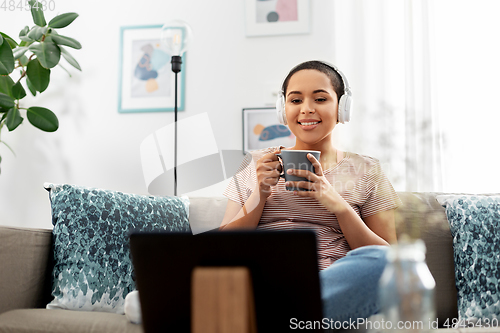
pixel 206 213
pixel 475 228
pixel 93 268
pixel 63 321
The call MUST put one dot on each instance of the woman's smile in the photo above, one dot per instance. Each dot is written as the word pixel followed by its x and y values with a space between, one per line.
pixel 309 124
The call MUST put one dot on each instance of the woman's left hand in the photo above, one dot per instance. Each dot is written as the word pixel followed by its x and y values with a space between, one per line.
pixel 319 187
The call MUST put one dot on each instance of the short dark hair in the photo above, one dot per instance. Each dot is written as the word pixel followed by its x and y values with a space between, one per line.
pixel 333 75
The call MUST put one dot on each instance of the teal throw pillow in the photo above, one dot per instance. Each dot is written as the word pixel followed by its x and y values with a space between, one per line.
pixel 93 269
pixel 475 228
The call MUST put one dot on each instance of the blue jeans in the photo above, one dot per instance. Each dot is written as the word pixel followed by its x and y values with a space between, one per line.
pixel 349 287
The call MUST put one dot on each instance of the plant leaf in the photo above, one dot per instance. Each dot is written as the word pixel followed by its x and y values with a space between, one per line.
pixel 48 39
pixel 1 40
pixel 6 101
pixel 18 52
pixel 26 39
pixel 36 33
pixel 65 70
pixel 6 84
pixel 18 91
pixel 63 20
pixel 69 58
pixel 48 54
pixel 30 86
pixel 23 60
pixel 38 76
pixel 11 42
pixel 37 13
pixel 6 59
pixel 14 119
pixel 24 32
pixel 68 41
pixel 43 119
pixel 26 43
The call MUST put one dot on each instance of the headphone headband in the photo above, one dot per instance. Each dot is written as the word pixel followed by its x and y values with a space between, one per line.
pixel 343 78
pixel 347 88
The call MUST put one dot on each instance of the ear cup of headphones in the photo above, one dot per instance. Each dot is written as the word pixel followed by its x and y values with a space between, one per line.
pixel 280 108
pixel 344 114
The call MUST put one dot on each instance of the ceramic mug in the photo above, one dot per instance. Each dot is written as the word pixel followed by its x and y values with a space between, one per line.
pixel 296 159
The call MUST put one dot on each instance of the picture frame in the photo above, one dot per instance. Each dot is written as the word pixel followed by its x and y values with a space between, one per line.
pixel 277 17
pixel 261 129
pixel 146 81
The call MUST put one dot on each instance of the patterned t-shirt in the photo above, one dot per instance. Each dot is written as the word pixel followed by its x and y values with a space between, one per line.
pixel 357 178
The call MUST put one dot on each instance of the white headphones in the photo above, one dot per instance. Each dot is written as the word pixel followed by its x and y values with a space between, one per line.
pixel 344 113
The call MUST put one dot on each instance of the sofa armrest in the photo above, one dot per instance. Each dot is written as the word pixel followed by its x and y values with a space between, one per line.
pixel 25 267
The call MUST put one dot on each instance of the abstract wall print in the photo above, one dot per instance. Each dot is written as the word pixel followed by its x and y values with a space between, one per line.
pixel 276 17
pixel 261 129
pixel 146 79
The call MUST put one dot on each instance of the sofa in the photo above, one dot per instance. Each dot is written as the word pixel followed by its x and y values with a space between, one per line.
pixel 26 263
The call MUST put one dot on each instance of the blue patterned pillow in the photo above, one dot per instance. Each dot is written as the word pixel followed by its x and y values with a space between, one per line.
pixel 93 269
pixel 475 228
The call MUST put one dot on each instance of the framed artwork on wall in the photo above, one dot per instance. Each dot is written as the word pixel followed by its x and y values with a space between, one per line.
pixel 146 81
pixel 261 129
pixel 276 17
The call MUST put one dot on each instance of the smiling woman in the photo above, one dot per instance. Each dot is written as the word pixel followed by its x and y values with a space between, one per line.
pixel 346 199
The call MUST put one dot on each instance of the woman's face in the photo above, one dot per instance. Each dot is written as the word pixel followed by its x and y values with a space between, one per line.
pixel 311 106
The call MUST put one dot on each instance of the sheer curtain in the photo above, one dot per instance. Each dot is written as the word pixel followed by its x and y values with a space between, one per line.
pixel 417 90
pixel 423 133
pixel 467 56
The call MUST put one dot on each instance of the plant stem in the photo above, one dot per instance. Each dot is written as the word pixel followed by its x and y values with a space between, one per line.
pixel 23 74
pixel 1 125
pixel 8 147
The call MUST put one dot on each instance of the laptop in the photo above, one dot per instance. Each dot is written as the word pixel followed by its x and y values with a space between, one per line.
pixel 283 267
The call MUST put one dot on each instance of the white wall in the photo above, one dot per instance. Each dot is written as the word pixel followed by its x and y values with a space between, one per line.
pixel 98 147
pixel 226 71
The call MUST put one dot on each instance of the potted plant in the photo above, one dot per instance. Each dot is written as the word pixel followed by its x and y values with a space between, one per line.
pixel 28 65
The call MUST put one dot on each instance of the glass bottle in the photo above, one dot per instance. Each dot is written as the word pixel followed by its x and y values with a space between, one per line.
pixel 407 290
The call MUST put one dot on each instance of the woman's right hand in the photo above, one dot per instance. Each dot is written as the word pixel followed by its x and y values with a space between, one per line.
pixel 268 170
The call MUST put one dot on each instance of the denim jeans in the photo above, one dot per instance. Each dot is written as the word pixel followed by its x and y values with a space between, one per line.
pixel 349 287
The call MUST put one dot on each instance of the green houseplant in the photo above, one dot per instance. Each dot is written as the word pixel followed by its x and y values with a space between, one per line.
pixel 30 62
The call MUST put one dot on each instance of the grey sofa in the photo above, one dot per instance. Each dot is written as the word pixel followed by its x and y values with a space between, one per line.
pixel 25 267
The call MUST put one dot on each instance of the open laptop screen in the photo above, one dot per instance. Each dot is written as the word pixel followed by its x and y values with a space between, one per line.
pixel 283 267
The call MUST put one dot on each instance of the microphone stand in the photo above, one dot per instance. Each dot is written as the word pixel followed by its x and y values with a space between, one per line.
pixel 176 68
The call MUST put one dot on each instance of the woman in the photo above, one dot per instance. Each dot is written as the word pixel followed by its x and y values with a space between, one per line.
pixel 350 203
